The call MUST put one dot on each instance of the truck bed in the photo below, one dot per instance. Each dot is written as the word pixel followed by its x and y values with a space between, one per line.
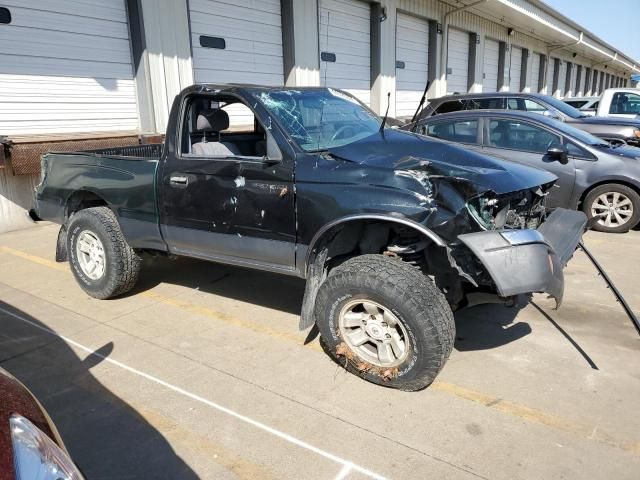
pixel 122 177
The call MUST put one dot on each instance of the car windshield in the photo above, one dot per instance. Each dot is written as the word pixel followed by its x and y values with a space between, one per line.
pixel 563 107
pixel 319 119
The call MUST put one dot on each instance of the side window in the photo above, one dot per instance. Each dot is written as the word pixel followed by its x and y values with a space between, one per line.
pixel 520 136
pixel 595 105
pixel 515 104
pixel 220 126
pixel 526 104
pixel 485 104
pixel 462 131
pixel 241 118
pixel 453 106
pixel 623 102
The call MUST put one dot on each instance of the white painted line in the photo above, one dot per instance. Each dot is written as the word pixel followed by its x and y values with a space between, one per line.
pixel 342 474
pixel 284 436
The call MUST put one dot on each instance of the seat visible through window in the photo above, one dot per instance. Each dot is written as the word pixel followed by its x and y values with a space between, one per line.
pixel 211 123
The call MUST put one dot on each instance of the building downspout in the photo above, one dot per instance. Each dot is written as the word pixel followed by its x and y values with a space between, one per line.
pixel 445 41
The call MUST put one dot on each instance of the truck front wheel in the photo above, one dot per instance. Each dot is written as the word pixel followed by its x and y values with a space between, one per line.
pixel 101 260
pixel 385 321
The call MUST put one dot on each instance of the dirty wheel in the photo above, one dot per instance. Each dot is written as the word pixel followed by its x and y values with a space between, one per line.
pixel 385 321
pixel 617 208
pixel 101 260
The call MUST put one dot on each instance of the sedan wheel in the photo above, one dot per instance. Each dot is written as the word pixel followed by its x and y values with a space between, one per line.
pixel 614 209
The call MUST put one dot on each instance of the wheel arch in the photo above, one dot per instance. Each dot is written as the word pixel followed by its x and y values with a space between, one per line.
pixel 329 237
pixel 614 181
pixel 329 230
pixel 82 199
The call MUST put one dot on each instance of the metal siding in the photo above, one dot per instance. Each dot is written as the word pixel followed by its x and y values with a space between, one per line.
pixel 562 77
pixel 457 61
pixel 535 72
pixel 490 65
pixel 66 67
pixel 345 29
pixel 412 48
pixel 252 31
pixel 515 69
pixel 551 65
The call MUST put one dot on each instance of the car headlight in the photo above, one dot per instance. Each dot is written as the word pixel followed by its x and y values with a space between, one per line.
pixel 36 456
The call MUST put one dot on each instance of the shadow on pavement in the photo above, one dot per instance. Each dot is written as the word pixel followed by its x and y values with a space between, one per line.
pixel 278 292
pixel 105 436
pixel 488 326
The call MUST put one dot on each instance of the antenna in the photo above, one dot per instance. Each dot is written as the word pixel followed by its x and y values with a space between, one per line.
pixel 422 100
pixel 384 119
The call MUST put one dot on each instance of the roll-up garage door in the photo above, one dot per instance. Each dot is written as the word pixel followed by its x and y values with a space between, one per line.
pixel 345 39
pixel 551 66
pixel 236 43
pixel 490 65
pixel 562 76
pixel 66 67
pixel 457 61
pixel 412 49
pixel 515 69
pixel 535 73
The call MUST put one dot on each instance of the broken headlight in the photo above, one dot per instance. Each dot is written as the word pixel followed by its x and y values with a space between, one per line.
pixel 489 212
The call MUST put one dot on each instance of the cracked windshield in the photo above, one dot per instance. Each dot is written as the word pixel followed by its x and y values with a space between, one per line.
pixel 320 119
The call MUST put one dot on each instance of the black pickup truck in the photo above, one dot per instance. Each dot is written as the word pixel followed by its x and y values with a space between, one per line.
pixel 391 230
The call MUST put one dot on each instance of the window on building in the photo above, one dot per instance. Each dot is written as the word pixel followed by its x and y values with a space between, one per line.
pixel 522 136
pixel 463 131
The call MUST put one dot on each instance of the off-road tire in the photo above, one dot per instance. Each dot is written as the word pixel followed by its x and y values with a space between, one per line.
pixel 628 192
pixel 411 296
pixel 122 264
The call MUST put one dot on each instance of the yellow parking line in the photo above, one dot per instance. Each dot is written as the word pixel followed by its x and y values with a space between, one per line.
pixel 522 412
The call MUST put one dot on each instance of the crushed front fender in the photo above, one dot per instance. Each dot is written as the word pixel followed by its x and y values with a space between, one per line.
pixel 528 261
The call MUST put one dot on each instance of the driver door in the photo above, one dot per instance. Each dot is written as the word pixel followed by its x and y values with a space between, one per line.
pixel 527 143
pixel 236 207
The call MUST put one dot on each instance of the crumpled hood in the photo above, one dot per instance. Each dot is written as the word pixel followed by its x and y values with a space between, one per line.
pixel 400 150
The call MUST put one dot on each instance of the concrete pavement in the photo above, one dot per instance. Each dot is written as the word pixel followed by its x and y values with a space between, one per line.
pixel 201 373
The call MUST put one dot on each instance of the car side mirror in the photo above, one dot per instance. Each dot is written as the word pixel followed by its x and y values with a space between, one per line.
pixel 552 114
pixel 274 155
pixel 559 152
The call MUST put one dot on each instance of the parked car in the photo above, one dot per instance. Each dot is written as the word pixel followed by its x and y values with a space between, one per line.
pixel 601 179
pixel 391 230
pixel 616 130
pixel 30 446
pixel 587 105
pixel 620 103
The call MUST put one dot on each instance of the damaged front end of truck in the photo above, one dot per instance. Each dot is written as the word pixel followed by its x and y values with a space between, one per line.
pixel 493 233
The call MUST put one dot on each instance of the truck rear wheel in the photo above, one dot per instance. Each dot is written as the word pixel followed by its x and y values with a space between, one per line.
pixel 385 321
pixel 101 260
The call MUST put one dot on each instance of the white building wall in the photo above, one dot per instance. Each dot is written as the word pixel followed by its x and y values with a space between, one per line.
pixel 66 67
pixel 15 199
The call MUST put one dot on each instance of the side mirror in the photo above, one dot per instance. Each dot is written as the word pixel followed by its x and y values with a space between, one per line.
pixel 552 114
pixel 274 155
pixel 559 152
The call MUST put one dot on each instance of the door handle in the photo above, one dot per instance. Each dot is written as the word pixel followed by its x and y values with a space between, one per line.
pixel 179 180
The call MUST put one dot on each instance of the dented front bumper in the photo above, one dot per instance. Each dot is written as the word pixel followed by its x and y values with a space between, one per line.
pixel 528 261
